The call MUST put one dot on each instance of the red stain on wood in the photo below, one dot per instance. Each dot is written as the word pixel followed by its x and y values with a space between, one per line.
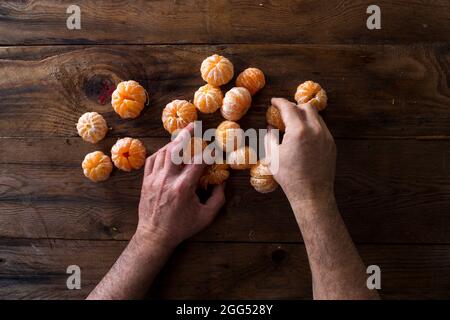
pixel 106 92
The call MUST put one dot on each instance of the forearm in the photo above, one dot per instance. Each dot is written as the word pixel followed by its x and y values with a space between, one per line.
pixel 337 269
pixel 134 271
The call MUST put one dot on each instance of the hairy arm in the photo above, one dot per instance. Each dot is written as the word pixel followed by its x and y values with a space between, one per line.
pixel 337 269
pixel 134 271
pixel 306 173
pixel 169 213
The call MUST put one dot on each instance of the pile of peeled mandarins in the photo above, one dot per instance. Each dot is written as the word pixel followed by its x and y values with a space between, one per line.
pixel 130 98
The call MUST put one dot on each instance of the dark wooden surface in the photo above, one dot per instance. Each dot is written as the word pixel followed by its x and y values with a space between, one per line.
pixel 210 270
pixel 224 21
pixel 389 111
pixel 377 91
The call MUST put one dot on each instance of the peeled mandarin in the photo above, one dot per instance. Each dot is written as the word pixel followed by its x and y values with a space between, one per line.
pixel 208 99
pixel 217 70
pixel 178 114
pixel 97 166
pixel 92 127
pixel 128 100
pixel 262 179
pixel 214 174
pixel 229 135
pixel 236 103
pixel 273 117
pixel 128 154
pixel 311 92
pixel 242 158
pixel 252 79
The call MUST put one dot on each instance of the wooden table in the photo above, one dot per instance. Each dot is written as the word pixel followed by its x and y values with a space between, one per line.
pixel 389 110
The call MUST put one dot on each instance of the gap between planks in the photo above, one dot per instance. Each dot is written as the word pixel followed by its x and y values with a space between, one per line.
pixel 331 44
pixel 364 243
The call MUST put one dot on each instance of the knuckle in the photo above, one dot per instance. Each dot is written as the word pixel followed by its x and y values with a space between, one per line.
pixel 156 179
pixel 152 184
pixel 177 189
pixel 291 105
pixel 307 106
pixel 316 131
pixel 151 158
pixel 300 132
pixel 170 148
pixel 181 185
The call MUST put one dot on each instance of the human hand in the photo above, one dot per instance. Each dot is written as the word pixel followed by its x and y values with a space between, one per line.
pixel 169 209
pixel 307 155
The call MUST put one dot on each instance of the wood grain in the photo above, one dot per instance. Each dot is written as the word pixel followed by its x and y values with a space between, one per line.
pixel 389 191
pixel 32 269
pixel 223 21
pixel 374 91
pixel 389 97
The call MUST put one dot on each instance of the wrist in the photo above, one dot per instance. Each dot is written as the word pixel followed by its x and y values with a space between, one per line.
pixel 311 209
pixel 146 242
pixel 310 191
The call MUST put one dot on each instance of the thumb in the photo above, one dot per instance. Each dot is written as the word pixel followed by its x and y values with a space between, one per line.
pixel 215 201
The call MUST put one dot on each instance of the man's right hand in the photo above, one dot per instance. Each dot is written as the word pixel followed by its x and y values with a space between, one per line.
pixel 307 155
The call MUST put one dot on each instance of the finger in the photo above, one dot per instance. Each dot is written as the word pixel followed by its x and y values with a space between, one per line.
pixel 215 201
pixel 184 134
pixel 312 115
pixel 193 172
pixel 290 114
pixel 271 142
pixel 272 149
pixel 160 159
pixel 149 163
pixel 173 161
pixel 325 127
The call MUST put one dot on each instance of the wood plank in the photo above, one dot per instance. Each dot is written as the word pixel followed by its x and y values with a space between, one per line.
pixel 223 21
pixel 374 91
pixel 37 270
pixel 389 191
